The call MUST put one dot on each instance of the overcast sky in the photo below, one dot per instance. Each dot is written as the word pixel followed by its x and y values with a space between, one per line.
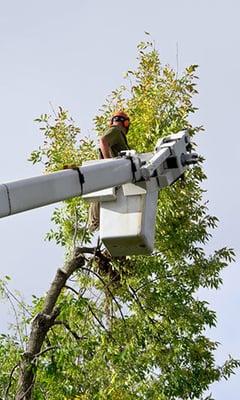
pixel 73 54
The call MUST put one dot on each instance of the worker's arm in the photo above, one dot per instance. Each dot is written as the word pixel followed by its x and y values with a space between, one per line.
pixel 104 147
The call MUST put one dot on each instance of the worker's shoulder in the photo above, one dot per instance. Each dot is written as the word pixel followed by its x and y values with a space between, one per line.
pixel 114 130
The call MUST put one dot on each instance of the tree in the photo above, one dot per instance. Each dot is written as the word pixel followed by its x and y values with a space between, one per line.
pixel 132 329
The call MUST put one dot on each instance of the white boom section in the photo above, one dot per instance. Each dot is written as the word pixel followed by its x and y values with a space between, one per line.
pixel 39 191
pixel 27 194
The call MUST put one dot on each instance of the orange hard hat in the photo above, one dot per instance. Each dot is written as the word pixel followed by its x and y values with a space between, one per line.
pixel 125 118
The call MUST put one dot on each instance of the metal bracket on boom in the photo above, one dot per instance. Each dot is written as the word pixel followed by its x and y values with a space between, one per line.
pixel 171 158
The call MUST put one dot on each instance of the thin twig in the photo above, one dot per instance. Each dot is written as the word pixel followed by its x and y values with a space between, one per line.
pixel 24 309
pixel 66 325
pixel 177 60
pixel 98 320
pixel 51 105
pixel 26 392
pixel 45 351
pixel 71 288
pixel 147 283
pixel 75 229
pixel 105 286
pixel 136 298
pixel 16 318
pixel 10 380
pixel 84 233
pixel 17 300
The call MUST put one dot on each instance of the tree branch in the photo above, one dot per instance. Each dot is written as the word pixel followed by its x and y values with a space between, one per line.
pixel 73 333
pixel 47 318
pixel 45 351
pixel 10 380
pixel 40 326
pixel 16 299
pixel 16 318
pixel 72 289
pixel 84 250
pixel 136 298
pixel 98 320
pixel 75 229
pixel 26 393
pixel 106 287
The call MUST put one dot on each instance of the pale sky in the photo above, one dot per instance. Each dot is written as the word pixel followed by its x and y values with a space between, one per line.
pixel 73 53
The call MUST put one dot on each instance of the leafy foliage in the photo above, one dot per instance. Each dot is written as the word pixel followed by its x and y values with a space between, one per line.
pixel 135 328
pixel 62 149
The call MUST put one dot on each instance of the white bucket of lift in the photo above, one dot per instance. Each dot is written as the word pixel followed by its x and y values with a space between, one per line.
pixel 127 224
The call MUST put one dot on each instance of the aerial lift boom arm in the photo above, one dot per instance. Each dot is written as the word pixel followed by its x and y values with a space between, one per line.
pixel 170 160
pixel 26 194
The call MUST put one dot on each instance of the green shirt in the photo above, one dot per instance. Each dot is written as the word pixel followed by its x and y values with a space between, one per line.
pixel 116 139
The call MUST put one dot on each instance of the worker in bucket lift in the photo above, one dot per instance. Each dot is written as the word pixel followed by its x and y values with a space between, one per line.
pixel 111 143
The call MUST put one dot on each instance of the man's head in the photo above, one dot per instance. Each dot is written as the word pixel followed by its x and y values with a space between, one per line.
pixel 120 118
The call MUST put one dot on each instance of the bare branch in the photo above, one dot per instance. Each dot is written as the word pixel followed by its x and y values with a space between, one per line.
pixel 16 299
pixel 59 281
pixel 10 380
pixel 147 283
pixel 40 326
pixel 22 397
pixel 98 320
pixel 146 308
pixel 75 229
pixel 106 287
pixel 71 288
pixel 73 333
pixel 44 321
pixel 16 318
pixel 136 298
pixel 45 351
pixel 84 250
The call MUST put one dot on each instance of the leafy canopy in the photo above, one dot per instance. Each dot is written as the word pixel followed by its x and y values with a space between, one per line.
pixel 135 329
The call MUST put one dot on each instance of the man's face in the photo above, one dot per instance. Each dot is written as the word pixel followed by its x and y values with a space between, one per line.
pixel 118 121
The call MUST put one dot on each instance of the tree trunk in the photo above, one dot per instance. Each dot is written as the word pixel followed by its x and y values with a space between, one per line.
pixel 40 327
